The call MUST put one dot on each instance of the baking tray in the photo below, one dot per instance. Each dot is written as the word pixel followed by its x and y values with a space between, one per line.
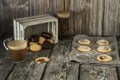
pixel 90 57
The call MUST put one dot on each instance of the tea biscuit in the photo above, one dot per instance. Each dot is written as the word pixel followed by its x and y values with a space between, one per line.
pixel 41 40
pixel 84 41
pixel 35 47
pixel 51 41
pixel 104 58
pixel 83 48
pixel 31 43
pixel 41 60
pixel 104 49
pixel 102 42
pixel 46 35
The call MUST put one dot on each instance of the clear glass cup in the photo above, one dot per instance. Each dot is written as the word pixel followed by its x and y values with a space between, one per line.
pixel 16 49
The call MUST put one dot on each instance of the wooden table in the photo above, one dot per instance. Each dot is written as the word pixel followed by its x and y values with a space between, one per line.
pixel 56 69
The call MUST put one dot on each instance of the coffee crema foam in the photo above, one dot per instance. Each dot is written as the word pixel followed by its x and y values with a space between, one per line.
pixel 17 44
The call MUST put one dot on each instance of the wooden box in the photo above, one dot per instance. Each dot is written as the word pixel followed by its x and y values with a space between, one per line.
pixel 21 24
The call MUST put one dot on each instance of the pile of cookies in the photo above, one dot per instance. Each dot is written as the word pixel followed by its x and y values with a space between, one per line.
pixel 36 42
pixel 103 48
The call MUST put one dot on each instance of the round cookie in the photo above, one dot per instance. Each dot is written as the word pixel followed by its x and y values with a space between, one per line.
pixel 41 60
pixel 102 42
pixel 83 48
pixel 84 41
pixel 104 58
pixel 41 40
pixel 35 47
pixel 104 49
pixel 51 41
pixel 31 43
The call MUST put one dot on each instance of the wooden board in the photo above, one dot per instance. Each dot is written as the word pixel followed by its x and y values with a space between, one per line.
pixel 97 73
pixel 111 17
pixel 57 68
pixel 94 17
pixel 5 67
pixel 29 70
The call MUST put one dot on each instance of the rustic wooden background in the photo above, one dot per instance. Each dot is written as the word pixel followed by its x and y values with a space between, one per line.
pixel 94 17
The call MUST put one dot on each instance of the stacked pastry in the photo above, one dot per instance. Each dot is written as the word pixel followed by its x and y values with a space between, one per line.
pixel 45 41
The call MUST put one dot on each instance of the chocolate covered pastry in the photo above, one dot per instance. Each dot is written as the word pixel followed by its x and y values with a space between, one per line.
pixel 46 35
pixel 34 38
pixel 47 45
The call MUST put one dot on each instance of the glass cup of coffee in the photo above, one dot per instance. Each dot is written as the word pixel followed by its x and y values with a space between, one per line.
pixel 16 49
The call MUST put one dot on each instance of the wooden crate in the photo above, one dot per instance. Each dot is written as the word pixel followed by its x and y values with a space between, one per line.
pixel 21 24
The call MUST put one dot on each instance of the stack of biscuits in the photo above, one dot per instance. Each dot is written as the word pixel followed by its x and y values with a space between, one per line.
pixel 44 41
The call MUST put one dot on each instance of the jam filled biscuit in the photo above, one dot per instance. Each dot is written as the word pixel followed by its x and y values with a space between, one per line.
pixel 84 41
pixel 104 49
pixel 102 42
pixel 83 48
pixel 35 47
pixel 104 58
pixel 41 40
pixel 41 60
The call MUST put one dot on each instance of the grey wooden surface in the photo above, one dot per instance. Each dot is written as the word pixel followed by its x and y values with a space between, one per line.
pixel 58 68
pixel 94 17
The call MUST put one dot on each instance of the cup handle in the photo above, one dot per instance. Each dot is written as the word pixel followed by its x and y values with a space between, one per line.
pixel 5 42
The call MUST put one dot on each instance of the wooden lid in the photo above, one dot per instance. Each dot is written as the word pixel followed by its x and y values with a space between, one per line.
pixel 63 14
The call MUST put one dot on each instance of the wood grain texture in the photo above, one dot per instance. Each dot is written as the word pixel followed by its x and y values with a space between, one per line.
pixel 57 68
pixel 5 67
pixel 94 17
pixel 37 7
pixel 29 70
pixel 97 73
pixel 118 28
pixel 56 6
pixel 110 17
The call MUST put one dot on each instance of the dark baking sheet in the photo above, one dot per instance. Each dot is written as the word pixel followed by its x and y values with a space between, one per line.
pixel 90 57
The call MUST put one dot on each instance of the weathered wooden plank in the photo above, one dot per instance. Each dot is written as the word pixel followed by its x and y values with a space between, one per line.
pixel 97 73
pixel 5 66
pixel 80 16
pixel 118 27
pixel 19 8
pixel 110 17
pixel 29 70
pixel 96 17
pixel 37 7
pixel 56 6
pixel 58 68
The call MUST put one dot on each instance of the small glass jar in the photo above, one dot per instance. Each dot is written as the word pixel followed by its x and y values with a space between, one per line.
pixel 63 21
